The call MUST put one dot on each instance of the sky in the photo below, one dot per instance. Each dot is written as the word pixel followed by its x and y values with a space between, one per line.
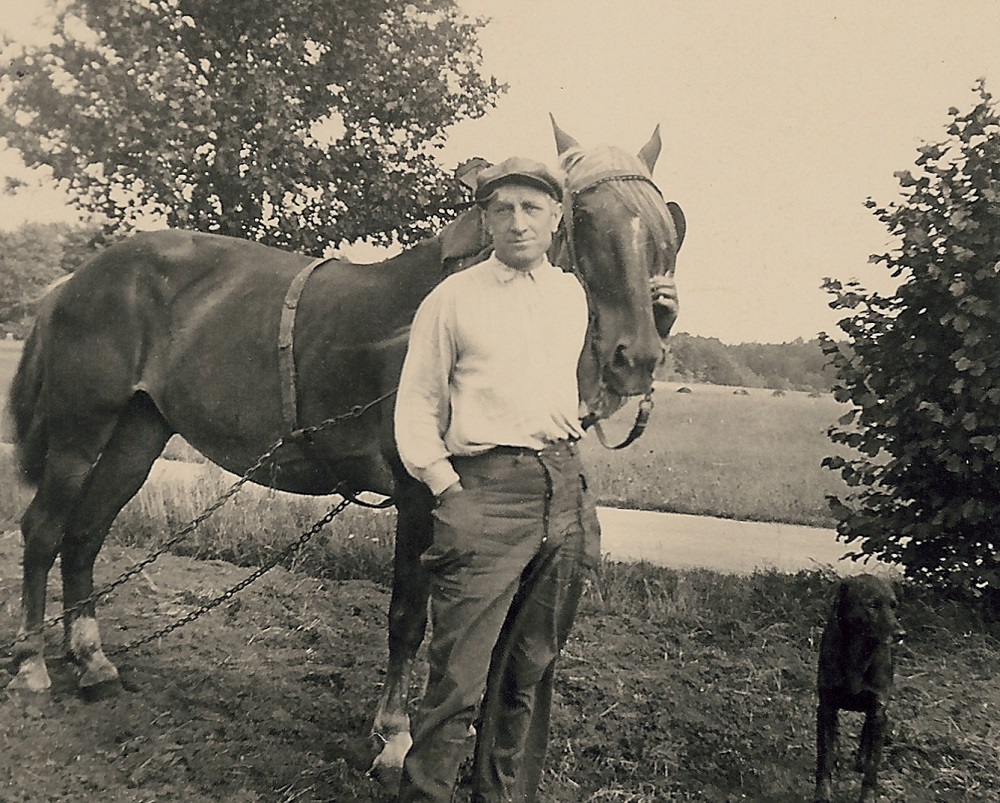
pixel 779 118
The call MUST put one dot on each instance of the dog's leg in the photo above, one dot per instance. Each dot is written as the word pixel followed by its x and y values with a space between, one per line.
pixel 826 748
pixel 873 735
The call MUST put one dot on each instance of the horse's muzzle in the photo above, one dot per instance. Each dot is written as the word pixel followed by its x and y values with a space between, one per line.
pixel 630 372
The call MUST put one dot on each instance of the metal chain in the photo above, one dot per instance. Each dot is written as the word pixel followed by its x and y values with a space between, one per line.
pixel 197 613
pixel 355 412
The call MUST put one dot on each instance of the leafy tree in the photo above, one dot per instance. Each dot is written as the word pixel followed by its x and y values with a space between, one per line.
pixel 301 123
pixel 921 369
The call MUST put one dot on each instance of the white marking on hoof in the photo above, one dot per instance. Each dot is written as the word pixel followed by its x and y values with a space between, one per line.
pixel 31 676
pixel 392 754
pixel 85 645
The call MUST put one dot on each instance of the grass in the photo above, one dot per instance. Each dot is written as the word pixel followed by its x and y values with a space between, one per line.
pixel 10 353
pixel 700 686
pixel 712 452
pixel 675 685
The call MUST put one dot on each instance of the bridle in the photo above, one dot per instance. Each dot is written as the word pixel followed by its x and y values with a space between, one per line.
pixel 569 209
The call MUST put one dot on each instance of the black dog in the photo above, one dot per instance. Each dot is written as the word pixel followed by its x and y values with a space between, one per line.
pixel 855 674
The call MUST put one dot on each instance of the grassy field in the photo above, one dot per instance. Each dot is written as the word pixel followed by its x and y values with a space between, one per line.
pixel 9 355
pixel 715 452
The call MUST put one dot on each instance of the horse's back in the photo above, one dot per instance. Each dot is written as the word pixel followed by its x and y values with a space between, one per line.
pixel 189 319
pixel 193 320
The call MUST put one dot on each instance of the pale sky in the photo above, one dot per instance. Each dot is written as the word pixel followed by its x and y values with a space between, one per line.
pixel 778 117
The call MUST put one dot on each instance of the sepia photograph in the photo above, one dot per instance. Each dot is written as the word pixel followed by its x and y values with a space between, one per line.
pixel 492 401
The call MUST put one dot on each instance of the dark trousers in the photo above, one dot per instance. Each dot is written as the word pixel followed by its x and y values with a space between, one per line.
pixel 507 565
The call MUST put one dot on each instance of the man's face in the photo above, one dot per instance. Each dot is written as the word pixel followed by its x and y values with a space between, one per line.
pixel 521 220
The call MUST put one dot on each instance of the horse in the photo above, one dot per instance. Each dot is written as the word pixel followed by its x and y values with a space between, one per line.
pixel 178 332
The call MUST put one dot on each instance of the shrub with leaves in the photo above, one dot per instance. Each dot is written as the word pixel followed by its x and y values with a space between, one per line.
pixel 921 368
pixel 301 123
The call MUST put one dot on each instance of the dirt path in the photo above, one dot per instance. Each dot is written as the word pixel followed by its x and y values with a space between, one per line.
pixel 723 545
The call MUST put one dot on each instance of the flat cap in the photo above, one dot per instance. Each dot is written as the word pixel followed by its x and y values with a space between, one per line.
pixel 518 170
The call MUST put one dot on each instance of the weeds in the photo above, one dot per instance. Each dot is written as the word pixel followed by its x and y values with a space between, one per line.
pixel 674 685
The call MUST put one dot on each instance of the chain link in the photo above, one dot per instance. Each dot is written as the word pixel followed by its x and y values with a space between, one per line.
pixel 197 613
pixel 355 412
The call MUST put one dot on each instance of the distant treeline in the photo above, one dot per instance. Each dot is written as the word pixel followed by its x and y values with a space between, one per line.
pixel 31 258
pixel 799 365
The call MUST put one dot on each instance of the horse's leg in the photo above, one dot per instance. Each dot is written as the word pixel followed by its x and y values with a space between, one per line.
pixel 138 439
pixel 407 622
pixel 65 472
pixel 42 529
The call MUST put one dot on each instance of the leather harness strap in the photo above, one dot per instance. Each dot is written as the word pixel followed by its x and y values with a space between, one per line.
pixel 286 343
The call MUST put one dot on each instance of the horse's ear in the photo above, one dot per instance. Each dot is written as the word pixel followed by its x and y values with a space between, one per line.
pixel 563 140
pixel 466 172
pixel 650 152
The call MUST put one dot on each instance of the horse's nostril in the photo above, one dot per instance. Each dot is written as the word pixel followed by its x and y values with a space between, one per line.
pixel 621 356
pixel 645 362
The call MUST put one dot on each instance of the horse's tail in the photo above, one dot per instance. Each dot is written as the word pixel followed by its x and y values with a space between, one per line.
pixel 25 408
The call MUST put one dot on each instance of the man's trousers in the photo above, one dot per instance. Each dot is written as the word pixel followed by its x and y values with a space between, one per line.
pixel 507 565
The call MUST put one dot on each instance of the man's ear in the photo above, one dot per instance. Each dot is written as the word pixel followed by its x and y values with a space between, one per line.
pixel 558 210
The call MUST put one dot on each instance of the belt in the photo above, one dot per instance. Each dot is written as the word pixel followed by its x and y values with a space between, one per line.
pixel 568 444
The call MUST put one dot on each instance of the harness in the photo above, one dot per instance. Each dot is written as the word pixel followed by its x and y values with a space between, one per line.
pixel 286 344
pixel 646 405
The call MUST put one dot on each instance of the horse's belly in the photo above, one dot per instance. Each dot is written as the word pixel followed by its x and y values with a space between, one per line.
pixel 297 469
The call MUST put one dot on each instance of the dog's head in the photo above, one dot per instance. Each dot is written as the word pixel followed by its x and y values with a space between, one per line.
pixel 866 605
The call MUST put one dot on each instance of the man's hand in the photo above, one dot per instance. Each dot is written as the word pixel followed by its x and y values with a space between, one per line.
pixel 452 490
pixel 665 306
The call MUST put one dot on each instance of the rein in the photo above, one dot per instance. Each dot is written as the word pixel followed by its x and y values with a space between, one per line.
pixel 646 405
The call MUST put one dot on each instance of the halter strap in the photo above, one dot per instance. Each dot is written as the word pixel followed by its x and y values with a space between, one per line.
pixel 614 175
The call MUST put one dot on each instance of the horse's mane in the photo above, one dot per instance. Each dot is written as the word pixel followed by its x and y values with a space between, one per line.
pixel 582 167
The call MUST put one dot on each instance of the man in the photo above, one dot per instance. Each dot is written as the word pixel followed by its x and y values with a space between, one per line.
pixel 487 415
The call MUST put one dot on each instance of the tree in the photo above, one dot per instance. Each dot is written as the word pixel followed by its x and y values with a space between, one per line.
pixel 31 258
pixel 302 124
pixel 921 369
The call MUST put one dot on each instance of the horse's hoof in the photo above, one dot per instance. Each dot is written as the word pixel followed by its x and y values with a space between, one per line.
pixel 99 682
pixel 32 676
pixel 99 670
pixel 94 692
pixel 388 778
pixel 394 750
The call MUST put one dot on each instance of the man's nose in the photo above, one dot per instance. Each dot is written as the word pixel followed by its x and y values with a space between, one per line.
pixel 519 220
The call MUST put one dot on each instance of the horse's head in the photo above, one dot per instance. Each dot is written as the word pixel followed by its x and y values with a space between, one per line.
pixel 622 240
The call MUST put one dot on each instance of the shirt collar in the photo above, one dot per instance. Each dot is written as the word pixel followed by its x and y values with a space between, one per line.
pixel 506 274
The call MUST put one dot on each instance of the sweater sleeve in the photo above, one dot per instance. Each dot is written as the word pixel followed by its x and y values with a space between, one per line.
pixel 423 401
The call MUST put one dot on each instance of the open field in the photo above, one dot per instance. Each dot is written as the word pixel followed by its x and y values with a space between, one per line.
pixel 714 452
pixel 9 355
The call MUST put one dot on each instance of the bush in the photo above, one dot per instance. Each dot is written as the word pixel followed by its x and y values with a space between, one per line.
pixel 922 370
